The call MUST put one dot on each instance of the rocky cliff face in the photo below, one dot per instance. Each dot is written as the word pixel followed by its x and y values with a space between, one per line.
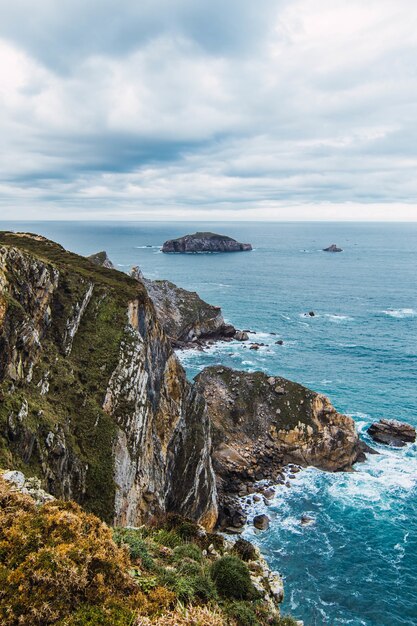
pixel 204 242
pixel 184 316
pixel 262 423
pixel 93 400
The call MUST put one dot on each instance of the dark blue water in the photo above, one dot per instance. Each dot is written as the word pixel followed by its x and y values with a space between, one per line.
pixel 358 563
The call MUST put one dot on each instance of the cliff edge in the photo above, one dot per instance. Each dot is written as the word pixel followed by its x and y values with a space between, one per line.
pixel 93 399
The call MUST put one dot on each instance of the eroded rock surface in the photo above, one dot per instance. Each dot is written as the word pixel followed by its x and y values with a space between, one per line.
pixel 261 423
pixel 392 433
pixel 93 400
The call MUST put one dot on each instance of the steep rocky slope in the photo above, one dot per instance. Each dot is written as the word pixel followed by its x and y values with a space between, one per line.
pixel 184 316
pixel 261 423
pixel 93 400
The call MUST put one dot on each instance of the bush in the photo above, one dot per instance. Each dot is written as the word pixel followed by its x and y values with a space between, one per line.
pixel 232 578
pixel 99 616
pixel 243 613
pixel 133 540
pixel 167 538
pixel 188 551
pixel 244 550
pixel 54 559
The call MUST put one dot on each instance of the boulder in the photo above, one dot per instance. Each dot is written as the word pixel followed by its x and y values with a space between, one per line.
pixel 241 335
pixel 261 522
pixel 392 433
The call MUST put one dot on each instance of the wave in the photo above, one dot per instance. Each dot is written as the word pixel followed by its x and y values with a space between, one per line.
pixel 400 313
pixel 149 247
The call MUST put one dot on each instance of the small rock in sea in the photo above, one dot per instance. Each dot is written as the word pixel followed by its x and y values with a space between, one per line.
pixel 392 433
pixel 332 248
pixel 269 493
pixel 254 346
pixel 279 342
pixel 241 335
pixel 256 498
pixel 306 520
pixel 311 314
pixel 261 522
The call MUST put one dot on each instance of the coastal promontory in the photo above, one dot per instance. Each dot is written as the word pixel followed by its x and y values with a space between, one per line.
pixel 204 242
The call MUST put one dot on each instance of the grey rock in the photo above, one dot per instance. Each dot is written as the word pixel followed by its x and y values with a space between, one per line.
pixel 204 242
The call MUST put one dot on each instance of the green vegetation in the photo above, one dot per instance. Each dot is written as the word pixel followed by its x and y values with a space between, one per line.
pixel 62 566
pixel 232 578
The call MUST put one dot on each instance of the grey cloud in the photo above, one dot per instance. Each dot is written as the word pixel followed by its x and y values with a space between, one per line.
pixel 62 33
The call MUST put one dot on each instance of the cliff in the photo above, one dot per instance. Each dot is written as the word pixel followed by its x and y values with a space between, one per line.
pixel 261 423
pixel 93 400
pixel 184 316
pixel 204 242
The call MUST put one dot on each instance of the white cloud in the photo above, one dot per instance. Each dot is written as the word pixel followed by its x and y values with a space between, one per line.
pixel 253 110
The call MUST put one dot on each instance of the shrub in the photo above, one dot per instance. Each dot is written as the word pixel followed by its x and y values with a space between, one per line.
pixel 187 551
pixel 54 559
pixel 100 616
pixel 232 578
pixel 243 613
pixel 168 538
pixel 189 616
pixel 244 550
pixel 133 540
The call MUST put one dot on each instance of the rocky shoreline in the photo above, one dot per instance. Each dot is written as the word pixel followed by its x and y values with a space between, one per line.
pixel 95 404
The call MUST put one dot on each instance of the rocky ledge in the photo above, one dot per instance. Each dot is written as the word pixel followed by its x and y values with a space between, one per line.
pixel 261 424
pixel 392 433
pixel 204 242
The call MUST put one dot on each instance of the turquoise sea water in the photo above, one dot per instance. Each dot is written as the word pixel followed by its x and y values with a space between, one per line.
pixel 357 564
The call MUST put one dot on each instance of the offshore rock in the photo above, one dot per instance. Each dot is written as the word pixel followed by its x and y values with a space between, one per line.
pixel 333 248
pixel 204 242
pixel 392 433
pixel 261 423
pixel 93 399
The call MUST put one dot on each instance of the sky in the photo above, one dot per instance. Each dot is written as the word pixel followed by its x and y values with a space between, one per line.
pixel 208 109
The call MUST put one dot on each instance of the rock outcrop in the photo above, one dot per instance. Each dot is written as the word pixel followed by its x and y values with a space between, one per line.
pixel 101 259
pixel 333 248
pixel 93 400
pixel 392 433
pixel 204 242
pixel 261 423
pixel 185 317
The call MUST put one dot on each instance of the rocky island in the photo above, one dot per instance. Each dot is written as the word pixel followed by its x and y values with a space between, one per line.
pixel 204 242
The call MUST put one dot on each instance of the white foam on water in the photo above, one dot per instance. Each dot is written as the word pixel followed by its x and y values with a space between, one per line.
pixel 337 319
pixel 400 313
pixel 148 247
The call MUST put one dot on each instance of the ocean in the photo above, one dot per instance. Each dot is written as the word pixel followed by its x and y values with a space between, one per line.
pixel 357 564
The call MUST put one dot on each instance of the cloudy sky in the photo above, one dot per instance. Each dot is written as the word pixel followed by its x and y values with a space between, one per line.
pixel 199 109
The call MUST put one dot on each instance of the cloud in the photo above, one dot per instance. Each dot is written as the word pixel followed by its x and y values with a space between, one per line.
pixel 173 108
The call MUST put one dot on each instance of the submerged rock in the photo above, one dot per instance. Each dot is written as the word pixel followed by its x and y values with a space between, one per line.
pixel 392 433
pixel 204 242
pixel 333 248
